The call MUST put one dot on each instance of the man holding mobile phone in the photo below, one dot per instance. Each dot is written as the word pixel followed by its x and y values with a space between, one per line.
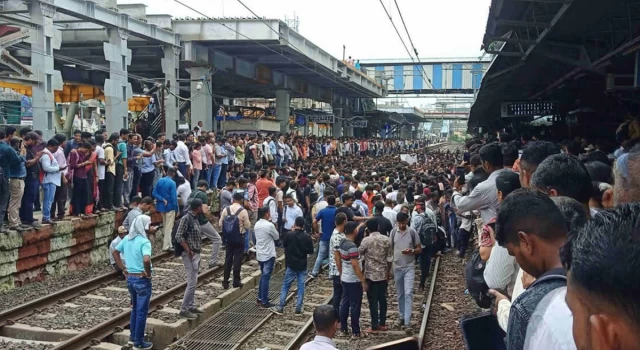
pixel 405 244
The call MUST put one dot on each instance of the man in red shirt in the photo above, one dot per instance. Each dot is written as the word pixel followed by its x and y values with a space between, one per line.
pixel 263 185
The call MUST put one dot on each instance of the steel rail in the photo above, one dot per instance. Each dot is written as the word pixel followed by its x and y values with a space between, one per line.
pixel 425 316
pixel 94 335
pixel 300 338
pixel 9 317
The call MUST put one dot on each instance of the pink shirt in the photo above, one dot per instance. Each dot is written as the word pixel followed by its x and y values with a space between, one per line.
pixel 208 150
pixel 62 160
pixel 196 159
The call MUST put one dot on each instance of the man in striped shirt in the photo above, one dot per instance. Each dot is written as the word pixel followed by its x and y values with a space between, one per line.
pixel 353 281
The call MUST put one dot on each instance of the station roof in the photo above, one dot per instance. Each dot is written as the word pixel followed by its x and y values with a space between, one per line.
pixel 554 50
pixel 281 57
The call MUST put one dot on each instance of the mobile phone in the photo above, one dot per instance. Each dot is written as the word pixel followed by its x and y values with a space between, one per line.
pixel 460 175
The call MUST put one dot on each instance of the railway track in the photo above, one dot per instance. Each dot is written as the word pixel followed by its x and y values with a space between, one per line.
pixel 82 315
pixel 10 316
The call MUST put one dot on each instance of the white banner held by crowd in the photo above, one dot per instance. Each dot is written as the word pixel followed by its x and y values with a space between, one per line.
pixel 409 158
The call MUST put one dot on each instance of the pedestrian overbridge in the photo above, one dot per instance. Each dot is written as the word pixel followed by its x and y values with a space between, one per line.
pixel 461 75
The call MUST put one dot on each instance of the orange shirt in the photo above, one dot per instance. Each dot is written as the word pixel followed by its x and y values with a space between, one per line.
pixel 263 189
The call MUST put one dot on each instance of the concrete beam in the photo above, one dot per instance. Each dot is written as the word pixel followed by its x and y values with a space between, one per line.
pixel 91 12
pixel 209 30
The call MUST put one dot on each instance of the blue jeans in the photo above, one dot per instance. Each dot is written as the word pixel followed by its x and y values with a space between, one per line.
pixel 278 161
pixel 195 178
pixel 140 291
pixel 266 268
pixel 215 175
pixel 182 168
pixel 404 278
pixel 247 236
pixel 289 276
pixel 49 191
pixel 323 253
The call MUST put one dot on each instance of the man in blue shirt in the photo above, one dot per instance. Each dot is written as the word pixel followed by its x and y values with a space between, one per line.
pixel 10 162
pixel 17 174
pixel 136 249
pixel 328 218
pixel 166 196
pixel 73 143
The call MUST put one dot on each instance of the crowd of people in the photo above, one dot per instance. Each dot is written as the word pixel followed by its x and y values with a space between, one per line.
pixel 520 213
pixel 548 232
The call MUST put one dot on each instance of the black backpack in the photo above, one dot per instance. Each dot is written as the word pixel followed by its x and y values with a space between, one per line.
pixel 231 227
pixel 177 246
pixel 428 231
pixel 474 273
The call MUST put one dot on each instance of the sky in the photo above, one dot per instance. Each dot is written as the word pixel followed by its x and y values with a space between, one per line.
pixel 439 28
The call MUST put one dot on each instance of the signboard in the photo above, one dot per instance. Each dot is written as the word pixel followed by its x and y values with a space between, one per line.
pixel 529 109
pixel 322 119
pixel 358 123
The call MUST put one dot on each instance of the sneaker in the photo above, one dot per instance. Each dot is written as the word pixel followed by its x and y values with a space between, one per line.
pixel 399 323
pixel 214 265
pixel 196 311
pixel 267 306
pixel 17 228
pixel 225 285
pixel 145 345
pixel 299 312
pixel 421 289
pixel 312 276
pixel 130 343
pixel 4 229
pixel 407 329
pixel 188 315
pixel 36 225
pixel 47 222
pixel 239 285
pixel 277 310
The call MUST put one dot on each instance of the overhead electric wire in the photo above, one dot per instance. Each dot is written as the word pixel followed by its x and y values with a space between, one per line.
pixel 424 74
pixel 360 92
pixel 411 42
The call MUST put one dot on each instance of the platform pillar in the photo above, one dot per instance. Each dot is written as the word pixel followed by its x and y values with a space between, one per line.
pixel 202 101
pixel 117 89
pixel 44 40
pixel 170 67
pixel 283 103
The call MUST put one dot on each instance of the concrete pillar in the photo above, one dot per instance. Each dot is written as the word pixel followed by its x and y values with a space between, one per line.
pixel 202 101
pixel 44 39
pixel 117 89
pixel 170 66
pixel 283 103
pixel 339 112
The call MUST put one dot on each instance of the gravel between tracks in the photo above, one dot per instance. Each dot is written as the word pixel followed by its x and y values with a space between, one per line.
pixel 24 345
pixel 31 291
pixel 443 327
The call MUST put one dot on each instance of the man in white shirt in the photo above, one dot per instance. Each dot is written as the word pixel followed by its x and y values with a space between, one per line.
pixel 266 235
pixel 184 191
pixel 52 178
pixel 389 213
pixel 101 167
pixel 271 202
pixel 181 155
pixel 325 321
pixel 291 212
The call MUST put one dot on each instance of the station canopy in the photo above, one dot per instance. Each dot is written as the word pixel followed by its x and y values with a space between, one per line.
pixel 557 50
